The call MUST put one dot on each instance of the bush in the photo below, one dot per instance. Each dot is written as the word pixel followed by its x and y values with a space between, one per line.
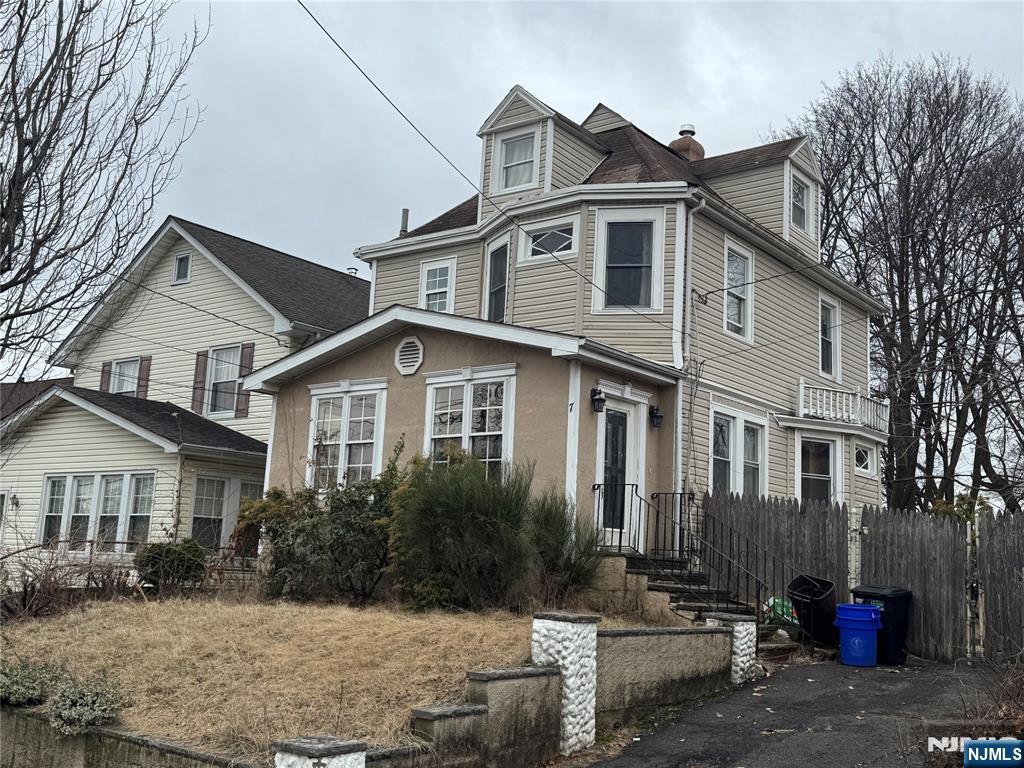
pixel 25 683
pixel 565 548
pixel 458 534
pixel 171 565
pixel 337 548
pixel 76 705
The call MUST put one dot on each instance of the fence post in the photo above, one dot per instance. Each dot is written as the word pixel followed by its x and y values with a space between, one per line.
pixel 319 752
pixel 856 513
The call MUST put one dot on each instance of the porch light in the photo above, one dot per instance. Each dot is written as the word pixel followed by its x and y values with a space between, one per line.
pixel 657 417
pixel 597 399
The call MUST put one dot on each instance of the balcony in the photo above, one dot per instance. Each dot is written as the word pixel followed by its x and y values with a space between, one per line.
pixel 843 406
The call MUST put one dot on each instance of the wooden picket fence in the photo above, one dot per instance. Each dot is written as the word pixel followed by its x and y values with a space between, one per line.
pixel 1001 577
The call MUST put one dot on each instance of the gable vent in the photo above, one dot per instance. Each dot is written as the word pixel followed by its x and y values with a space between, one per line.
pixel 409 355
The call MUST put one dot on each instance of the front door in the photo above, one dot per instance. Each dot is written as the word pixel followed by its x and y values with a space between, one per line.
pixel 613 513
pixel 620 499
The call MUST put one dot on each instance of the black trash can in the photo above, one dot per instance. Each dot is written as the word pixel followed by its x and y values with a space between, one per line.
pixel 814 600
pixel 895 605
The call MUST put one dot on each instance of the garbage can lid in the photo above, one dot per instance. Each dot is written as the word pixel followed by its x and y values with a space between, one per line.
pixel 867 590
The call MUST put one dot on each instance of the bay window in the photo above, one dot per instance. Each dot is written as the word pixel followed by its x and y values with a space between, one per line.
pixel 346 439
pixel 548 240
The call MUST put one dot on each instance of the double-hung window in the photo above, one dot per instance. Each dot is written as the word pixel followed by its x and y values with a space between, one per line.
pixel 182 267
pixel 800 205
pixel 347 436
pixel 108 512
pixel 471 412
pixel 224 363
pixel 215 503
pixel 817 470
pixel 737 453
pixel 497 281
pixel 739 273
pixel 517 153
pixel 828 322
pixel 437 285
pixel 124 377
pixel 629 259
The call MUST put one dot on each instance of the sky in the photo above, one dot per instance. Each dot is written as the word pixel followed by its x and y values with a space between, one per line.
pixel 296 150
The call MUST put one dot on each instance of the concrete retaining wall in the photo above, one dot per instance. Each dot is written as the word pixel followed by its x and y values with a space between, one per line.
pixel 640 670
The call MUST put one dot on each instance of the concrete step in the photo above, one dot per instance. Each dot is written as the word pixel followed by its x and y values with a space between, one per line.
pixel 732 608
pixel 691 591
pixel 768 631
pixel 659 574
pixel 778 650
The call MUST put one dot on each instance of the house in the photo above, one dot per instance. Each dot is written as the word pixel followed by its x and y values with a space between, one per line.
pixel 153 435
pixel 632 316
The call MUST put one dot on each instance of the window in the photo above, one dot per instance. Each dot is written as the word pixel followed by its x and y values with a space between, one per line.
pixel 548 240
pixel 436 281
pixel 737 453
pixel 182 267
pixel 471 415
pixel 124 377
pixel 829 338
pixel 347 437
pixel 629 260
pixel 497 280
pixel 208 512
pixel 518 168
pixel 864 459
pixel 801 194
pixel 816 481
pixel 739 273
pixel 223 375
pixel 95 511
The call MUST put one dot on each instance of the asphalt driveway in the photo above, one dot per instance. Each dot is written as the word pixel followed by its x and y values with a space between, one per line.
pixel 821 714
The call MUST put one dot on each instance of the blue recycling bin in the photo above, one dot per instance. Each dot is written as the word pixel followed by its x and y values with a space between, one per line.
pixel 858 634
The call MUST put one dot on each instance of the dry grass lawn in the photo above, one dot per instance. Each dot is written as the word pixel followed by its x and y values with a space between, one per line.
pixel 233 677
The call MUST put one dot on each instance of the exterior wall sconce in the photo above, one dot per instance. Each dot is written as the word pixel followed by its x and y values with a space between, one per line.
pixel 15 501
pixel 657 417
pixel 597 399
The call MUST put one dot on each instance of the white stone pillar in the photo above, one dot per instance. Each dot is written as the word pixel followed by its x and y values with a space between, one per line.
pixel 319 752
pixel 744 651
pixel 569 641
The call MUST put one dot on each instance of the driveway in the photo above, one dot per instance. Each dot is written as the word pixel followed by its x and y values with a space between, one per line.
pixel 820 714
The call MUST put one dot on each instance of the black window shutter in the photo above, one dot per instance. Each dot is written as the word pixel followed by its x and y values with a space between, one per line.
pixel 244 369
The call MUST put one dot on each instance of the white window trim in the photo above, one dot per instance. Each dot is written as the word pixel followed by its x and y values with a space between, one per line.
pixel 837 461
pixel 837 339
pixel 497 158
pixel 469 376
pixel 748 315
pixel 523 257
pixel 872 470
pixel 113 374
pixel 448 261
pixel 490 247
pixel 123 514
pixel 178 255
pixel 208 394
pixel 232 501
pixel 656 215
pixel 809 204
pixel 345 389
pixel 739 418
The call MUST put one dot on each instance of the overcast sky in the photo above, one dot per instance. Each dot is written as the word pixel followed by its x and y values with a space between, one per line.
pixel 295 150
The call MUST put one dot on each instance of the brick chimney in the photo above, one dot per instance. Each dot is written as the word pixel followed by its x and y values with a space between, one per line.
pixel 686 145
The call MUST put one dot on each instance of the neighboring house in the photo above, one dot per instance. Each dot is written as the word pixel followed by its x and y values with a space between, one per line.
pixel 623 313
pixel 155 434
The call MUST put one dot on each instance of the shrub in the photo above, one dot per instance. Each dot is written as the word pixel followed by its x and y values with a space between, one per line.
pixel 565 548
pixel 76 705
pixel 458 533
pixel 171 565
pixel 24 683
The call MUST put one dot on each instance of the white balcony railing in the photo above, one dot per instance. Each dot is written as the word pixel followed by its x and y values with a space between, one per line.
pixel 844 406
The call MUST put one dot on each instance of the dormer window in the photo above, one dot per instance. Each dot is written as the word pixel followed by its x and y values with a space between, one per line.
pixel 516 160
pixel 182 268
pixel 800 205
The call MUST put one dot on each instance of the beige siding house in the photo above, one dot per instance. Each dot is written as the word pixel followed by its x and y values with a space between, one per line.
pixel 731 360
pixel 154 435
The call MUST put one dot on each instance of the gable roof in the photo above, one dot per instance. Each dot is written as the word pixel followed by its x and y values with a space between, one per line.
pixel 166 425
pixel 748 158
pixel 15 394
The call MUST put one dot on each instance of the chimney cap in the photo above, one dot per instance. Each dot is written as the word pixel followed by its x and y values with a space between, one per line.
pixel 687 129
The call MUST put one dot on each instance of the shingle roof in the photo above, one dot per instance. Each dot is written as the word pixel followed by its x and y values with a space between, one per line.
pixel 15 394
pixel 171 422
pixel 302 291
pixel 462 215
pixel 637 157
pixel 747 158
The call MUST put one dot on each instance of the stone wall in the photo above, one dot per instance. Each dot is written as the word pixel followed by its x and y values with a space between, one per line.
pixel 640 670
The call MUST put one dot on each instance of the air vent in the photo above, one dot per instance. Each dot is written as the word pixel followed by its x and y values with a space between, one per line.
pixel 409 356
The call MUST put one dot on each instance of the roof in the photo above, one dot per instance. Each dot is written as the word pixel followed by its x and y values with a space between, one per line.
pixel 301 290
pixel 15 394
pixel 748 158
pixel 168 425
pixel 390 321
pixel 638 157
pixel 462 215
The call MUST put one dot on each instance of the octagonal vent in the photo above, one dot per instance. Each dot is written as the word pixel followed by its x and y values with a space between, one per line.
pixel 409 355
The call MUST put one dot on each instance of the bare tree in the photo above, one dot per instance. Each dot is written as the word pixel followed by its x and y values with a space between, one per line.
pixel 92 117
pixel 923 164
